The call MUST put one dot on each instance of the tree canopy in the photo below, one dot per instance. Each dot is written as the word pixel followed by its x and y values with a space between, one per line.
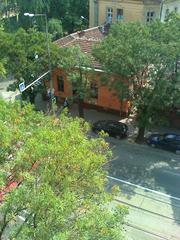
pixel 68 12
pixel 24 55
pixel 145 57
pixel 79 69
pixel 59 179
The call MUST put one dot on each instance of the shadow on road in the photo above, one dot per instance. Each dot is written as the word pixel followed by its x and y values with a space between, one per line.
pixel 156 172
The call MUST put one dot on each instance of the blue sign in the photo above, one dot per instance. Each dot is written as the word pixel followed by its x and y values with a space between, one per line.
pixel 22 87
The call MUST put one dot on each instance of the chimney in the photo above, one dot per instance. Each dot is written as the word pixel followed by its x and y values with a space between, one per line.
pixel 81 33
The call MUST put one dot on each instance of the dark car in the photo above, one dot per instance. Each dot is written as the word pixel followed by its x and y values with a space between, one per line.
pixel 113 128
pixel 167 141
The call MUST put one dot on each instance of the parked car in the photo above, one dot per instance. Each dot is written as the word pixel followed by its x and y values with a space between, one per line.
pixel 167 141
pixel 113 128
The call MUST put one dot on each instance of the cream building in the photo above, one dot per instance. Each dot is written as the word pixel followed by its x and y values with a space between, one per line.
pixel 169 6
pixel 104 11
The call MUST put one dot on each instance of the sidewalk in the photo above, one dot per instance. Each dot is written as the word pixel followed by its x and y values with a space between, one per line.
pixel 150 213
pixel 92 115
pixel 4 93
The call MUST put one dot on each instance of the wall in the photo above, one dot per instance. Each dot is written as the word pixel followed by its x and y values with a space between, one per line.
pixel 170 5
pixel 67 85
pixel 133 10
pixel 106 99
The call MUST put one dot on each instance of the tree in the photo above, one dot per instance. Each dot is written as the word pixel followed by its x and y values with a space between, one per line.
pixel 2 69
pixel 72 12
pixel 79 69
pixel 26 56
pixel 55 28
pixel 3 58
pixel 60 177
pixel 69 12
pixel 144 56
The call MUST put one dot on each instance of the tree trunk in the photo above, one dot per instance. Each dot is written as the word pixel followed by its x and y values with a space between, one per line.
pixel 140 136
pixel 80 108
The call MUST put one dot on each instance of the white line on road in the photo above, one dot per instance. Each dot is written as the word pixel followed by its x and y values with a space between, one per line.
pixel 171 173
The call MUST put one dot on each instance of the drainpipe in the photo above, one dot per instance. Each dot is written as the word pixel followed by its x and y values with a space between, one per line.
pixel 96 12
pixel 161 10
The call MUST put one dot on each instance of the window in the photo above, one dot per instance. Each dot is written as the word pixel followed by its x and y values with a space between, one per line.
pixel 169 137
pixel 150 16
pixel 166 14
pixel 60 82
pixel 119 15
pixel 178 138
pixel 109 15
pixel 94 90
pixel 75 92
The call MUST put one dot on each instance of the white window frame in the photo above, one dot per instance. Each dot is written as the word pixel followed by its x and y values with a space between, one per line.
pixel 120 17
pixel 175 9
pixel 150 16
pixel 167 12
pixel 109 14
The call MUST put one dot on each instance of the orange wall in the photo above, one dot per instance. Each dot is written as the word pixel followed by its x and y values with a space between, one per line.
pixel 67 85
pixel 106 98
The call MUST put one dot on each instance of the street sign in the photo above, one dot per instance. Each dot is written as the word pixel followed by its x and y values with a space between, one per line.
pixel 22 87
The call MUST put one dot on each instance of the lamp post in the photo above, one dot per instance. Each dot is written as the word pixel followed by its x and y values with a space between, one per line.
pixel 48 51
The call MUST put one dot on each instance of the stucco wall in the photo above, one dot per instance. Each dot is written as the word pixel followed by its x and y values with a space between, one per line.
pixel 170 5
pixel 106 98
pixel 133 10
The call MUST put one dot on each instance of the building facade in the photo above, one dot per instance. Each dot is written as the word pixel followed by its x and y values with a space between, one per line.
pixel 169 6
pixel 101 97
pixel 112 11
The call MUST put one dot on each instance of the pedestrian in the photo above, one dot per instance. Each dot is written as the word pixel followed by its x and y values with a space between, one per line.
pixel 66 104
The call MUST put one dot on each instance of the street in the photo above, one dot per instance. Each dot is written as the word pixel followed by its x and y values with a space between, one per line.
pixel 153 169
pixel 140 164
pixel 133 166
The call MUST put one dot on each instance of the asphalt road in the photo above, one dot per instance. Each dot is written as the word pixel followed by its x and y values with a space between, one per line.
pixel 151 215
pixel 142 165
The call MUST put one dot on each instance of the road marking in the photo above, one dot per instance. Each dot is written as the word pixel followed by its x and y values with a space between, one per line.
pixel 171 173
pixel 146 210
pixel 147 232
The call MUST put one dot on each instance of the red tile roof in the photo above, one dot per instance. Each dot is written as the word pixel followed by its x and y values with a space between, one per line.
pixel 86 39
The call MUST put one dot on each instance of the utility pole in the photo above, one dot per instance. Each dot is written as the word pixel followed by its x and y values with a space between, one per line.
pixel 48 52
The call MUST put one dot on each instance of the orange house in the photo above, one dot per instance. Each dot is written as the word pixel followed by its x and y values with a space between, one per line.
pixel 102 98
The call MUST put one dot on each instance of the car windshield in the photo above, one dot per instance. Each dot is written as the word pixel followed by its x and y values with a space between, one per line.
pixel 169 137
pixel 157 138
pixel 178 138
pixel 115 124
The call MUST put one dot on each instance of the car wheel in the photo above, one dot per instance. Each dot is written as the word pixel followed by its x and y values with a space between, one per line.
pixel 178 152
pixel 152 145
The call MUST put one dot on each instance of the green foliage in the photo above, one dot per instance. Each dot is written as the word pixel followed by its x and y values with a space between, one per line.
pixel 24 55
pixel 69 12
pixel 78 67
pixel 55 28
pixel 145 56
pixel 2 69
pixel 3 58
pixel 61 195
